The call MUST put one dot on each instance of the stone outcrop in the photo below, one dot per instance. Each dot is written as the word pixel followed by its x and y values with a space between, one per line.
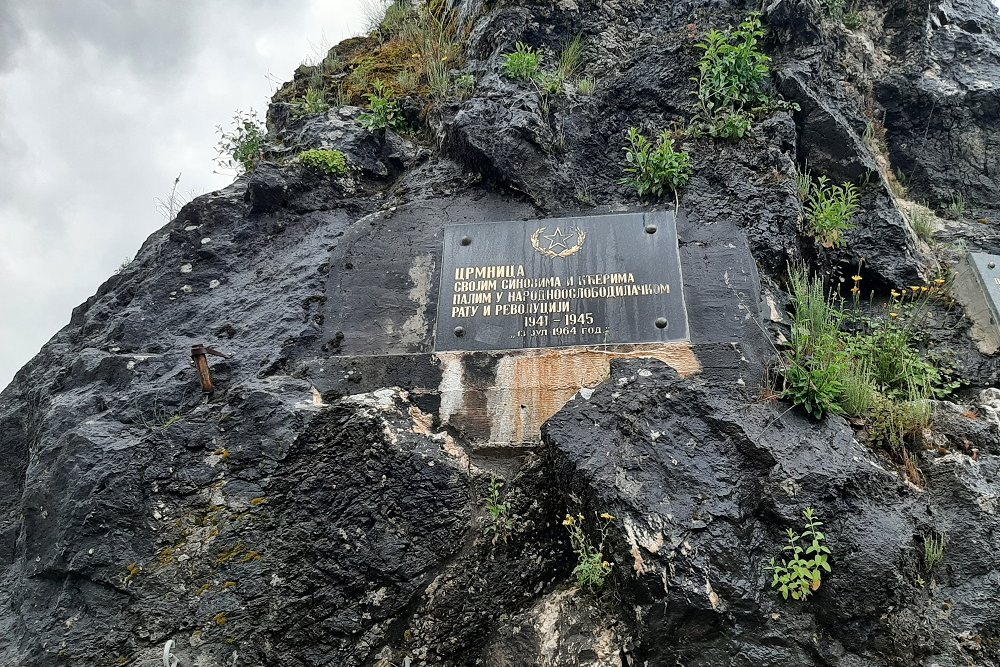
pixel 326 504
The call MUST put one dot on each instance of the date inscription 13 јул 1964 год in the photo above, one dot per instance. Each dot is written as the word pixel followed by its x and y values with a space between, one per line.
pixel 598 280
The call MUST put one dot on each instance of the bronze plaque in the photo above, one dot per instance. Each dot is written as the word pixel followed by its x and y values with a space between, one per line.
pixel 598 280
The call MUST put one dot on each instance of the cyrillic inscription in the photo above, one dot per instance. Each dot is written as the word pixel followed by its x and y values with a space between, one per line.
pixel 571 281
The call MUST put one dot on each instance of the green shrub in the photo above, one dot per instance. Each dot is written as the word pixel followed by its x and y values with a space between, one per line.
pixel 313 102
pixel 853 20
pixel 383 110
pixel 833 8
pixel 591 567
pixel 653 169
pixel 499 521
pixel 732 71
pixel 801 575
pixel 464 85
pixel 240 147
pixel 330 162
pixel 829 211
pixel 523 63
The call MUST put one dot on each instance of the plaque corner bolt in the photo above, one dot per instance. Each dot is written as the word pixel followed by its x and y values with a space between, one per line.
pixel 650 228
pixel 466 240
pixel 459 331
pixel 661 323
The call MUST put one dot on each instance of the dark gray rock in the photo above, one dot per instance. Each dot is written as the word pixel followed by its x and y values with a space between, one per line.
pixel 704 487
pixel 267 526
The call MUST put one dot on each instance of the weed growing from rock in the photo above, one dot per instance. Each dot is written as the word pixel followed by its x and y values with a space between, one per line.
pixel 383 110
pixel 330 162
pixel 586 86
pixel 313 102
pixel 655 168
pixel 955 209
pixel 731 75
pixel 240 147
pixel 802 574
pixel 863 361
pixel 523 63
pixel 499 521
pixel 591 567
pixel 853 20
pixel 922 221
pixel 933 551
pixel 829 211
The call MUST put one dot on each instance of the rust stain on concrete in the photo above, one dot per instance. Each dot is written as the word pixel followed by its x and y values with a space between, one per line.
pixel 528 387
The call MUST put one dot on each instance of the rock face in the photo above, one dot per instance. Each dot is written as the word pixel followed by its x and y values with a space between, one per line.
pixel 322 509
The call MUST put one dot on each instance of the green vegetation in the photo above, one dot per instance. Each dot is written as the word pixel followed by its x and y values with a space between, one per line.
pixel 933 551
pixel 412 51
pixel 331 162
pixel 955 209
pixel 499 522
pixel 591 567
pixel 829 210
pixel 853 20
pixel 523 63
pixel 241 146
pixel 802 574
pixel 731 75
pixel 383 110
pixel 833 8
pixel 863 360
pixel 586 86
pixel 313 102
pixel 654 169
pixel 570 59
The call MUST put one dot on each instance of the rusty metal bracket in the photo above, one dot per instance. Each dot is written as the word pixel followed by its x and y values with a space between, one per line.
pixel 199 353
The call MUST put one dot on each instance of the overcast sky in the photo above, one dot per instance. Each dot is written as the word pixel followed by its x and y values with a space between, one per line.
pixel 102 104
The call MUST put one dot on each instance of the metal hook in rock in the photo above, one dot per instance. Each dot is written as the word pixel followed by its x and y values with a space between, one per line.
pixel 199 353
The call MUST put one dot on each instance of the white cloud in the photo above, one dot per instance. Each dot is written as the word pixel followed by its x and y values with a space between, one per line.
pixel 102 104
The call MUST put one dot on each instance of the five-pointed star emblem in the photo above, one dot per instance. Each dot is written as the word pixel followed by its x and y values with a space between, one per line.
pixel 557 239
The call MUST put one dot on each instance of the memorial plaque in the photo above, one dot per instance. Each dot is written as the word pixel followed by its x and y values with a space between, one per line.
pixel 987 269
pixel 596 280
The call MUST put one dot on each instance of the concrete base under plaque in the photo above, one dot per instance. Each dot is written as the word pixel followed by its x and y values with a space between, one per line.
pixel 384 288
pixel 977 288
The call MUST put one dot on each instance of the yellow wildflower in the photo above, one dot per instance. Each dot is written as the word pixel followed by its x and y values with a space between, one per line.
pixel 444 59
pixel 609 517
pixel 855 290
pixel 939 281
pixel 924 288
pixel 895 294
pixel 893 315
pixel 606 565
pixel 915 288
pixel 568 521
pixel 856 279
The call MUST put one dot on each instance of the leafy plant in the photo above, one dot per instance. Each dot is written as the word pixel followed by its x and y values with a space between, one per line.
pixel 241 146
pixel 383 110
pixel 499 522
pixel 833 8
pixel 732 70
pixel 313 102
pixel 933 551
pixel 815 365
pixel 801 574
pixel 586 86
pixel 464 85
pixel 591 567
pixel 829 211
pixel 853 20
pixel 523 63
pixel 332 162
pixel 653 169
